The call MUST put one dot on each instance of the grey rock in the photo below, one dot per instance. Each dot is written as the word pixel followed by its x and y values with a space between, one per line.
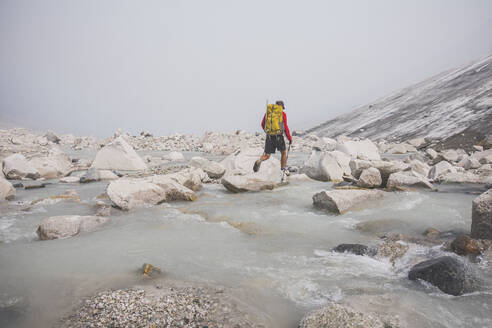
pixel 7 190
pixel 370 178
pixel 481 227
pixel 68 225
pixel 337 316
pixel 356 249
pixel 340 201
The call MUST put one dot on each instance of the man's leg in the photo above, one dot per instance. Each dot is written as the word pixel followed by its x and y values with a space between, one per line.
pixel 265 156
pixel 283 159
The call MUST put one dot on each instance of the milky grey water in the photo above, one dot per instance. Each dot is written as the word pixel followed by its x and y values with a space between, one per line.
pixel 272 247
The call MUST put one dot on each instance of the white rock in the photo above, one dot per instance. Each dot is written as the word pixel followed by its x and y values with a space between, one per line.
pixel 370 178
pixel 441 168
pixel 128 194
pixel 463 177
pixel 482 154
pixel 481 226
pixel 16 166
pixel 207 147
pixel 323 167
pixel 340 201
pixel 388 168
pixel 107 175
pixel 401 148
pixel 173 190
pixel 486 159
pixel 343 161
pixel 68 225
pixel 7 191
pixel 432 153
pixel 417 142
pixel 478 148
pixel 53 165
pixel 338 316
pixel 241 161
pixel 118 155
pixel 174 156
pixel 190 178
pixel 357 166
pixel 407 179
pixel 70 179
pixel 450 155
pixel 420 167
pixel 213 169
pixel 363 149
pixel 268 177
pixel 469 163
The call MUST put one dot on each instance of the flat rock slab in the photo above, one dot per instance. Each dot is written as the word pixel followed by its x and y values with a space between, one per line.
pixel 340 201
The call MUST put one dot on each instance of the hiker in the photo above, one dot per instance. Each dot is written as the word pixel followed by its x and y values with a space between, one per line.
pixel 274 124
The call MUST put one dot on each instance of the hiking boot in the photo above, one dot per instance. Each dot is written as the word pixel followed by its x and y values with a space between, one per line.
pixel 256 167
pixel 286 171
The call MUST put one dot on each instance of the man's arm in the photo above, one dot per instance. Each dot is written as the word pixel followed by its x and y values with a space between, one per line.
pixel 263 122
pixel 286 128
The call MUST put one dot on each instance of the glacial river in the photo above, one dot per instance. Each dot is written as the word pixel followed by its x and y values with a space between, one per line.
pixel 272 247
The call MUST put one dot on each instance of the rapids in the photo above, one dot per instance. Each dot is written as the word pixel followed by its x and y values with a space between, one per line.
pixel 272 247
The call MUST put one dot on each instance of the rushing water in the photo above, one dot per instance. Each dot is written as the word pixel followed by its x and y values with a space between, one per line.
pixel 273 247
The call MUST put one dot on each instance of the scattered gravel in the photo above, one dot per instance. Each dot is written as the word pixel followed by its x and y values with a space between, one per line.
pixel 170 306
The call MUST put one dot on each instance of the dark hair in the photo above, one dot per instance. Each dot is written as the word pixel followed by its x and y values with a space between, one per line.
pixel 280 102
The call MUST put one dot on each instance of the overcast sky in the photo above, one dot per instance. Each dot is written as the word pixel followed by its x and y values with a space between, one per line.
pixel 92 66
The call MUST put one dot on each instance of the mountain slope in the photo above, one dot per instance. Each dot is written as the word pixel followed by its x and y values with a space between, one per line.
pixel 440 107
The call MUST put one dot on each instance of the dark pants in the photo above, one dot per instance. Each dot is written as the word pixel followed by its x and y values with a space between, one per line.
pixel 274 142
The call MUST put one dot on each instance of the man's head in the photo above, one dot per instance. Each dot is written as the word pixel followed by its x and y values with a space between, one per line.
pixel 280 103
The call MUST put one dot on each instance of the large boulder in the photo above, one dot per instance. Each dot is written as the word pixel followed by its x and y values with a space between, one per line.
pixel 190 178
pixel 16 166
pixel 68 225
pixel 357 166
pixel 118 155
pixel 340 201
pixel 407 179
pixel 388 168
pixel 363 149
pixel 446 273
pixel 370 178
pixel 268 177
pixel 481 227
pixel 242 161
pixel 440 169
pixel 213 169
pixel 172 189
pixel 55 164
pixel 337 316
pixel 323 167
pixel 128 194
pixel 7 191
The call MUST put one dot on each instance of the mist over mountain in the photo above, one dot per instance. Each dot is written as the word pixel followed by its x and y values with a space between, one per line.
pixel 443 106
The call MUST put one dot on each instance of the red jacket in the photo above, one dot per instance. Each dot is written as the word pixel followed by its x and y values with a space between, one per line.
pixel 286 128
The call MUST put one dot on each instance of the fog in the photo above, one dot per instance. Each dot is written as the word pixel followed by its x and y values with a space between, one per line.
pixel 90 67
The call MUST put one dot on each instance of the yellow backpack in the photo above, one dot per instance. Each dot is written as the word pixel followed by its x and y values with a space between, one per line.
pixel 274 119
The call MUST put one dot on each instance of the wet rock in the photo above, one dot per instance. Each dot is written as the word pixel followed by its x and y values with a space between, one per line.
pixel 392 250
pixel 481 227
pixel 213 169
pixel 363 149
pixel 464 245
pixel 446 273
pixel 356 249
pixel 400 180
pixel 337 316
pixel 7 190
pixel 440 169
pixel 150 271
pixel 340 201
pixel 128 194
pixel 68 225
pixel 34 186
pixel 70 194
pixel 118 155
pixel 432 233
pixel 370 178
pixel 70 179
pixel 268 177
pixel 16 166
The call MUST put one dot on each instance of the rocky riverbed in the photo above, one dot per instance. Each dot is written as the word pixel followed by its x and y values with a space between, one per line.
pixel 352 237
